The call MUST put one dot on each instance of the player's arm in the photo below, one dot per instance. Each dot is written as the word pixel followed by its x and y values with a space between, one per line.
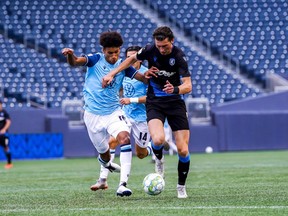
pixel 121 92
pixel 107 79
pixel 184 88
pixel 152 72
pixel 72 59
pixel 140 77
pixel 126 101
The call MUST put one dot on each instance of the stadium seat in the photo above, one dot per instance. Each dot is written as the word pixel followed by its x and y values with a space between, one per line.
pixel 49 26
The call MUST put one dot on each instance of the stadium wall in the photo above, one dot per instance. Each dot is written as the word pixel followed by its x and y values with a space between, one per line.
pixel 250 124
pixel 253 123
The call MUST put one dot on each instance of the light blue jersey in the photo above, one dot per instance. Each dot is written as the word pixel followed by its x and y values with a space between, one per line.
pixel 134 88
pixel 98 100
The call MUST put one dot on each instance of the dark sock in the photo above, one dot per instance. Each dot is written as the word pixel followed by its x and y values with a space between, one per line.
pixel 8 156
pixel 158 152
pixel 183 169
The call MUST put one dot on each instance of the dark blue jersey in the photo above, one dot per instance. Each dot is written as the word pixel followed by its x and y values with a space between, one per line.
pixel 3 117
pixel 171 67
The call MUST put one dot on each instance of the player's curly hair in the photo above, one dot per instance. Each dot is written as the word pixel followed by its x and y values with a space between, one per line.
pixel 163 32
pixel 111 39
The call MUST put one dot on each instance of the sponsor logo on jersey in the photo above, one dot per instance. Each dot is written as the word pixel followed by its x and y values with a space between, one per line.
pixel 165 73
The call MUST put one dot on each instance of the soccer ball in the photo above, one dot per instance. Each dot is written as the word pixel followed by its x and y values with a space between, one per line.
pixel 209 149
pixel 153 184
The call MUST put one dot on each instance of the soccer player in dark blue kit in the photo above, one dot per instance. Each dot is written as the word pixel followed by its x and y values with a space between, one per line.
pixel 169 79
pixel 5 123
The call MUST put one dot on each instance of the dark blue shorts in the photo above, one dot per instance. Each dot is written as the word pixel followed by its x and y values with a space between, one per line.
pixel 174 110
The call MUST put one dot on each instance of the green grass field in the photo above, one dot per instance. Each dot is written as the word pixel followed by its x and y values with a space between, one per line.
pixel 246 183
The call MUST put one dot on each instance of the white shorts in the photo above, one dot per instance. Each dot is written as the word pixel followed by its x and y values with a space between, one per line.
pixel 100 128
pixel 140 133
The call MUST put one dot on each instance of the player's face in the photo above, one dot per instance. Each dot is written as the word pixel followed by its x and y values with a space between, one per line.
pixel 137 63
pixel 164 46
pixel 111 54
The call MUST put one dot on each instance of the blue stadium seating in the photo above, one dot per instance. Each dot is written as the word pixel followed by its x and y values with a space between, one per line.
pixel 251 32
pixel 48 26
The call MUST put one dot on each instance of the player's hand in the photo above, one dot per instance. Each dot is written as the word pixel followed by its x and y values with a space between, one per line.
pixel 125 101
pixel 151 72
pixel 168 87
pixel 107 79
pixel 67 51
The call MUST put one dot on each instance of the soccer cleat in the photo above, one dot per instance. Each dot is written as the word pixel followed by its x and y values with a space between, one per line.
pixel 181 189
pixel 8 166
pixel 113 167
pixel 159 166
pixel 100 184
pixel 123 190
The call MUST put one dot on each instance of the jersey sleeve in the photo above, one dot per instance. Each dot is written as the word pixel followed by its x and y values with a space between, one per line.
pixel 6 115
pixel 183 65
pixel 130 72
pixel 143 52
pixel 92 59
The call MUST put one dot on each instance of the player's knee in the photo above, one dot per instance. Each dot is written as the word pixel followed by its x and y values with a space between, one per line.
pixel 123 138
pixel 141 155
pixel 183 152
pixel 158 140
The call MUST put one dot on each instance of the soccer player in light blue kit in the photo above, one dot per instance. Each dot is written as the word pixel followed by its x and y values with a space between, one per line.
pixel 134 97
pixel 103 115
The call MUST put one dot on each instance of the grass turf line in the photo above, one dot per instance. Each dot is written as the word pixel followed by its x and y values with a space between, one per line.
pixel 244 183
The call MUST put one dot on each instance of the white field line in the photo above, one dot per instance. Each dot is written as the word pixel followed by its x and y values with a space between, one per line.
pixel 145 208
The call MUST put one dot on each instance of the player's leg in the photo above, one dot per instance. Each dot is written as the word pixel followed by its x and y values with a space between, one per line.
pixel 156 130
pixel 142 138
pixel 4 142
pixel 125 161
pixel 120 128
pixel 99 137
pixel 102 181
pixel 180 127
pixel 182 139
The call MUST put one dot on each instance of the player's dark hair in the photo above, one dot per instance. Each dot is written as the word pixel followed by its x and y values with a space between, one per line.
pixel 163 32
pixel 132 48
pixel 111 39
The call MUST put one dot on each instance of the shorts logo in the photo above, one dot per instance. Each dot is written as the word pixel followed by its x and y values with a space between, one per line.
pixel 172 61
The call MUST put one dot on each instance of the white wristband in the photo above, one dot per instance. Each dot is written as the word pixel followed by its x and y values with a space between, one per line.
pixel 134 100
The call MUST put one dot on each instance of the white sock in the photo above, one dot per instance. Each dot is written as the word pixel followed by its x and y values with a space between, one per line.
pixel 103 171
pixel 149 148
pixel 125 162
